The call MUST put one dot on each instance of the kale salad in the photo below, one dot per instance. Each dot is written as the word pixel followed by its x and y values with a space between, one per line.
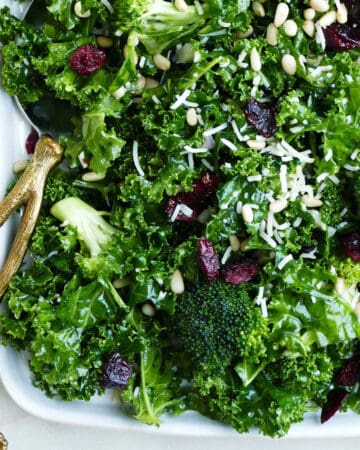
pixel 199 248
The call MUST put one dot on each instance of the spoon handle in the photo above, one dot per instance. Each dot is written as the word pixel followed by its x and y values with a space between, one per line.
pixel 28 190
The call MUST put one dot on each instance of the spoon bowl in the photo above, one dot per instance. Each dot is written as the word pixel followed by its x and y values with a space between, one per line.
pixel 49 115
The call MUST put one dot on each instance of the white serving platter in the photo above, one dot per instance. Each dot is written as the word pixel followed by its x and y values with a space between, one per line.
pixel 104 411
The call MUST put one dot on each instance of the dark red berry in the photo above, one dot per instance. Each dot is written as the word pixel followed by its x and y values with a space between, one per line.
pixel 204 188
pixel 335 399
pixel 351 245
pixel 31 141
pixel 88 59
pixel 342 37
pixel 116 372
pixel 261 116
pixel 186 213
pixel 207 259
pixel 206 185
pixel 349 374
pixel 236 272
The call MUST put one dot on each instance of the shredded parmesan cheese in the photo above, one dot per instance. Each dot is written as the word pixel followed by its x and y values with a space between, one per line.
pixel 136 158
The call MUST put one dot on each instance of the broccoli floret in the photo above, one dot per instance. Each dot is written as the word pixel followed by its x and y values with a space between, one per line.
pixel 158 24
pixel 92 229
pixel 96 235
pixel 219 324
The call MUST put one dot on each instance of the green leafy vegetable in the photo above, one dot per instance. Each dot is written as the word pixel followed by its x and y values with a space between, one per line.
pixel 192 91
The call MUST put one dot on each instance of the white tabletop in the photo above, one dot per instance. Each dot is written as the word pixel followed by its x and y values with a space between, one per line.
pixel 26 432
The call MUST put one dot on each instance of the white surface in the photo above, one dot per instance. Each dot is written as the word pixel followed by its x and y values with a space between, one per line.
pixel 57 423
pixel 25 432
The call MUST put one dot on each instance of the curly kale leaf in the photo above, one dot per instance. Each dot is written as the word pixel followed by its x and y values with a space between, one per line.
pixel 305 311
pixel 21 42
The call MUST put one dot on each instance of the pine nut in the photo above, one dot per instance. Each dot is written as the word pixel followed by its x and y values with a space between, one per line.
pixel 19 166
pixel 290 27
pixel 204 216
pixel 309 28
pixel 288 63
pixel 342 14
pixel 255 61
pixel 278 205
pixel 246 33
pixel 234 243
pixel 140 84
pixel 255 144
pixel 148 310
pixel 247 213
pixel 320 5
pixel 327 19
pixel 340 286
pixel 150 83
pixel 119 283
pixel 258 9
pixel 238 207
pixel 281 14
pixel 177 282
pixel 181 5
pixel 104 42
pixel 79 12
pixel 244 245
pixel 271 34
pixel 93 176
pixel 311 202
pixel 161 62
pixel 309 14
pixel 191 117
pixel 119 93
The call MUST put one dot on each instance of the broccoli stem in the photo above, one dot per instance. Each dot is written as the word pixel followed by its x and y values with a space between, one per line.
pixel 91 227
pixel 158 24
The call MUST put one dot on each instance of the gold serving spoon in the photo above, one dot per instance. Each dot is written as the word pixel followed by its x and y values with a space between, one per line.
pixel 49 116
pixel 28 191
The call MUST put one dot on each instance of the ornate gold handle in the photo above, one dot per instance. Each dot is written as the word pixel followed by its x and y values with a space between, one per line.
pixel 28 190
pixel 3 442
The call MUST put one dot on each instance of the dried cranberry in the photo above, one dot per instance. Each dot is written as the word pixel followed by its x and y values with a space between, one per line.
pixel 346 36
pixel 335 399
pixel 236 272
pixel 261 116
pixel 189 200
pixel 351 245
pixel 204 188
pixel 31 141
pixel 342 37
pixel 207 259
pixel 116 372
pixel 349 374
pixel 88 59
pixel 206 185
